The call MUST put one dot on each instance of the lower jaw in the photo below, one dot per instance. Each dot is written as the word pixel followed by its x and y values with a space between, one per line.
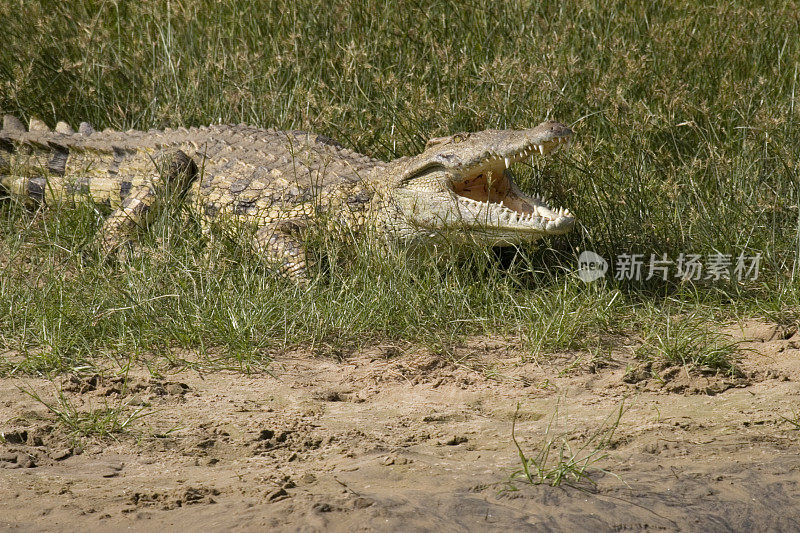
pixel 498 237
pixel 479 236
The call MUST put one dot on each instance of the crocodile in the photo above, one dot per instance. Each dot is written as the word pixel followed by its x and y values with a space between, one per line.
pixel 284 183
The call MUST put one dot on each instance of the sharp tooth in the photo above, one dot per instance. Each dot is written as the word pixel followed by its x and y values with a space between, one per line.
pixel 541 148
pixel 507 161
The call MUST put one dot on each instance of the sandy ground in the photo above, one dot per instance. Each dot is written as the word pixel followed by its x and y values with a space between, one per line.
pixel 397 439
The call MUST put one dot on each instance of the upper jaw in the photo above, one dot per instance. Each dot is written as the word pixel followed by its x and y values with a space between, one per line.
pixel 508 146
pixel 516 146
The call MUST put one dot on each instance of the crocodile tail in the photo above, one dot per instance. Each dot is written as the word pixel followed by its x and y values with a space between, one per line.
pixel 39 140
pixel 32 159
pixel 64 128
pixel 12 124
pixel 37 125
pixel 42 166
pixel 13 128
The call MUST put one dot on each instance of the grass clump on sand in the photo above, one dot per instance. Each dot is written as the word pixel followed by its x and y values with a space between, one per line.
pixel 559 459
pixel 101 423
pixel 689 343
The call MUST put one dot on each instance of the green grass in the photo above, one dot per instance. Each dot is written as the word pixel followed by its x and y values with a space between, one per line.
pixel 686 118
pixel 103 422
pixel 686 341
pixel 794 421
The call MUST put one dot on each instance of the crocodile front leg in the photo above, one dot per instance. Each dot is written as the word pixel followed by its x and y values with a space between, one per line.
pixel 281 244
pixel 121 225
pixel 176 171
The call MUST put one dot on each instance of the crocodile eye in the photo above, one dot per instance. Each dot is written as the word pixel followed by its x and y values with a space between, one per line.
pixel 457 138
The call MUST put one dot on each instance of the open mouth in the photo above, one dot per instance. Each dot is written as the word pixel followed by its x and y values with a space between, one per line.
pixel 488 195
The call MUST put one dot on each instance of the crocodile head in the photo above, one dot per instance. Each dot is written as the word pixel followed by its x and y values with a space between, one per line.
pixel 462 185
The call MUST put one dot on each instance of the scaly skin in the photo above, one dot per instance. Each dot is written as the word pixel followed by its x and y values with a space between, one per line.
pixel 283 183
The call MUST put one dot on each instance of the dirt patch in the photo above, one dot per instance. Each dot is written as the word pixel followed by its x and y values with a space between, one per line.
pixel 659 376
pixel 392 438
